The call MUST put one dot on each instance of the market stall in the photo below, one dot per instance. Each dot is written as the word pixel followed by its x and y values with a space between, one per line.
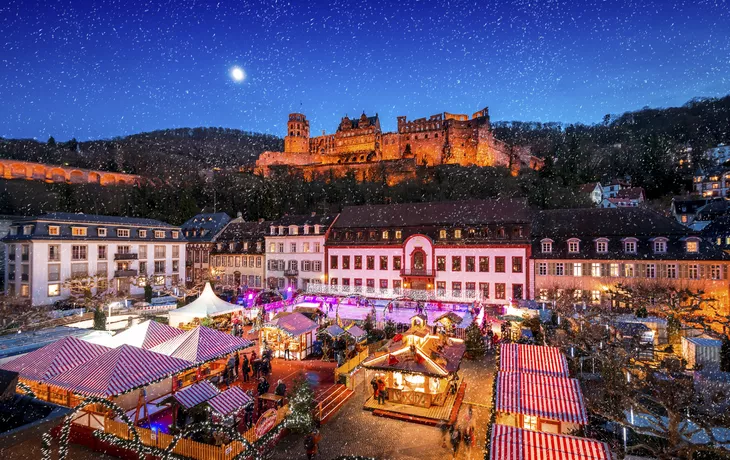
pixel 229 403
pixel 418 367
pixel 207 305
pixel 188 398
pixel 508 443
pixel 206 348
pixel 533 359
pixel 147 334
pixel 292 330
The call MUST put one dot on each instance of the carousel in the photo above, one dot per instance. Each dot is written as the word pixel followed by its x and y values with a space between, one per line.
pixel 419 368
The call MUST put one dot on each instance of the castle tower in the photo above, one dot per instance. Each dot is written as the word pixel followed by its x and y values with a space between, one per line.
pixel 297 134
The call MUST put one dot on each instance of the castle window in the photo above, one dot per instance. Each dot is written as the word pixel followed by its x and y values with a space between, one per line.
pixel 442 234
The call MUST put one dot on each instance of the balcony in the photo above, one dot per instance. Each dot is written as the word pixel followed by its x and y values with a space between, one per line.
pixel 416 272
pixel 291 272
pixel 124 273
pixel 125 256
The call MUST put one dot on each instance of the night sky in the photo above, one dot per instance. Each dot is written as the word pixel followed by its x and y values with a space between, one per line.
pixel 101 69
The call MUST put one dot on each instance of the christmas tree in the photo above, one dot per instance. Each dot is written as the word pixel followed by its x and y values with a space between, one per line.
pixel 474 342
pixel 301 407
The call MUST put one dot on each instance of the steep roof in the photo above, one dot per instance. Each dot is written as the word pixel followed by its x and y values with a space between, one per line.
pixel 99 219
pixel 533 359
pixel 604 222
pixel 325 220
pixel 294 324
pixel 590 187
pixel 556 398
pixel 468 212
pixel 202 344
pixel 203 227
pixel 508 443
pixel 631 193
pixel 145 335
pixel 238 229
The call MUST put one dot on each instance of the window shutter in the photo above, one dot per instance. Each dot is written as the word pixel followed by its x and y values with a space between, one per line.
pixel 724 272
pixel 662 270
pixel 683 271
pixel 604 270
pixel 568 269
pixel 551 268
pixel 586 269
pixel 702 271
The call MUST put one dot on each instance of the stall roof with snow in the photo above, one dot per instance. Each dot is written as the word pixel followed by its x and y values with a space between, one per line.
pixel 207 305
pixel 293 324
pixel 229 401
pixel 54 359
pixel 147 334
pixel 119 371
pixel 555 398
pixel 356 332
pixel 333 331
pixel 201 344
pixel 508 443
pixel 195 394
pixel 534 359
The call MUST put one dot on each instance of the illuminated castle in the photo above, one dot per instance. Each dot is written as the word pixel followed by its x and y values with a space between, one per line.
pixel 359 145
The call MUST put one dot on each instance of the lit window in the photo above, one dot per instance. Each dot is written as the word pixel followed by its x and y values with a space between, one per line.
pixel 595 296
pixel 78 231
pixel 54 290
pixel 175 234
pixel 142 233
pixel 573 246
pixel 159 233
pixel 399 235
pixel 272 247
pixel 457 233
pixel 614 270
pixel 595 269
pixel 442 234
pixel 123 232
pixel 385 234
pixel 693 246
pixel 54 230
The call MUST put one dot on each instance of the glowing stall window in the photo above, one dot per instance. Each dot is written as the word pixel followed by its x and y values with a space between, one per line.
pixel 530 422
pixel 398 379
pixel 434 385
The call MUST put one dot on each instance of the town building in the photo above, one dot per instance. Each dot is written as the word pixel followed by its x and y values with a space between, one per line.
pixel 452 251
pixel 627 197
pixel 684 209
pixel 613 187
pixel 238 255
pixel 115 254
pixel 712 182
pixel 295 250
pixel 718 155
pixel 199 232
pixel 586 253
pixel 360 145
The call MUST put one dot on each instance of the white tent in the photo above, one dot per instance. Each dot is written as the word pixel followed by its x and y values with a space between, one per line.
pixel 208 305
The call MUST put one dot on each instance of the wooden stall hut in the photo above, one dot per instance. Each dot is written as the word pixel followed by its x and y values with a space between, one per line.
pixel 509 443
pixel 207 349
pixel 185 400
pixel 134 378
pixel 38 366
pixel 333 340
pixel 418 366
pixel 448 322
pixel 229 403
pixel 532 359
pixel 147 334
pixel 289 329
pixel 207 305
pixel 539 402
pixel 357 333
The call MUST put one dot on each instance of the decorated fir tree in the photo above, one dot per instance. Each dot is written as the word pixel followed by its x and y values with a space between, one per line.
pixel 301 407
pixel 99 319
pixel 474 342
pixel 389 329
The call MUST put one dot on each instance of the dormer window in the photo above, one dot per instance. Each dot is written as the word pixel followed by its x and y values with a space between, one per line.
pixel 660 246
pixel 79 231
pixel 385 234
pixel 122 232
pixel 317 229
pixel 281 229
pixel 306 229
pixel 546 246
pixel 693 245
pixel 27 229
pixel 13 231
pixel 100 232
pixel 159 233
pixel 573 245
pixel 54 230
pixel 602 245
pixel 142 233
pixel 175 234
pixel 398 234
pixel 245 246
pixel 442 234
pixel 293 230
pixel 630 245
pixel 457 233
pixel 272 230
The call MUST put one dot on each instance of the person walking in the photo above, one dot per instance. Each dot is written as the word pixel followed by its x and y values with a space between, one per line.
pixel 311 442
pixel 455 440
pixel 287 356
pixel 374 384
pixel 381 391
pixel 236 365
pixel 280 390
pixel 245 368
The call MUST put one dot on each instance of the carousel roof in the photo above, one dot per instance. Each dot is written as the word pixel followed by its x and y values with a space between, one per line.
pixel 207 305
pixel 147 334
pixel 508 442
pixel 534 359
pixel 55 358
pixel 229 401
pixel 118 371
pixel 196 394
pixel 294 324
pixel 427 359
pixel 556 398
pixel 451 316
pixel 202 344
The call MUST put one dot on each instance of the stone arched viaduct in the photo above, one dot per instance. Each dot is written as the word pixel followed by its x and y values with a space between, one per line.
pixel 15 169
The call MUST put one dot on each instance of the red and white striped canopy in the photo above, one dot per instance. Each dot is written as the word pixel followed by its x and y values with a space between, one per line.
pixel 510 443
pixel 55 358
pixel 554 398
pixel 147 334
pixel 229 401
pixel 202 344
pixel 196 394
pixel 535 359
pixel 118 371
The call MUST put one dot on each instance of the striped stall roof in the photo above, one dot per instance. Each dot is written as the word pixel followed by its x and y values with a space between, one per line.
pixel 55 358
pixel 535 359
pixel 202 344
pixel 147 334
pixel 510 443
pixel 229 401
pixel 555 398
pixel 195 394
pixel 118 371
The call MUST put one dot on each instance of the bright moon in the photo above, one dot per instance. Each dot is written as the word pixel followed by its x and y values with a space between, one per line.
pixel 238 74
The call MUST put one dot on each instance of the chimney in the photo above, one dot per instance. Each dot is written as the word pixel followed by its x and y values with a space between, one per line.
pixel 239 215
pixel 261 220
pixel 314 213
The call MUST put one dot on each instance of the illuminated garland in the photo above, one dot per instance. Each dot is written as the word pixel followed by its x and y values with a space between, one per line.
pixel 26 389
